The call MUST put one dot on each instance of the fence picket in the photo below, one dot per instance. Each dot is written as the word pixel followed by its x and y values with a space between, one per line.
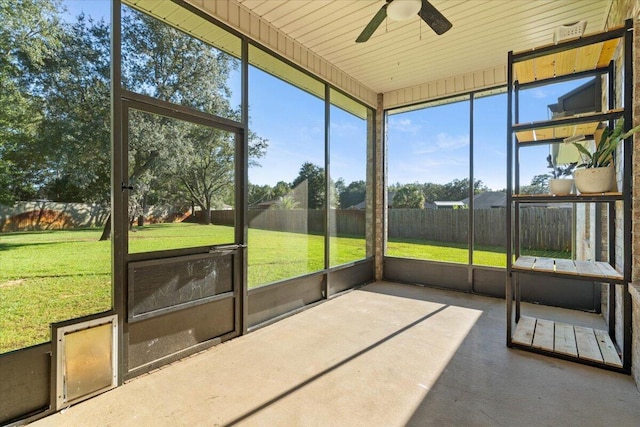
pixel 541 228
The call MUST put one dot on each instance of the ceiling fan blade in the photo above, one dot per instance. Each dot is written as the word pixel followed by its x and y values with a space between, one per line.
pixel 373 25
pixel 434 18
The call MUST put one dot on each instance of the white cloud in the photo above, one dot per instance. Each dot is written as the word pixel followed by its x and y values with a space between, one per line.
pixel 403 125
pixel 539 93
pixel 443 142
pixel 344 129
pixel 446 141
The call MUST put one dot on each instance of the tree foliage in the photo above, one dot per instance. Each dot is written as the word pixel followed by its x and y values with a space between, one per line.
pixel 74 135
pixel 353 194
pixel 29 35
pixel 55 111
pixel 409 196
pixel 166 64
pixel 539 185
pixel 309 186
pixel 455 190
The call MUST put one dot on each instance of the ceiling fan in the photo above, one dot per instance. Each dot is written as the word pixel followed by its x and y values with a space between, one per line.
pixel 401 10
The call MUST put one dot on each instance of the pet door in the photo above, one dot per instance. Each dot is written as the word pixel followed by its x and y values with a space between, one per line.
pixel 86 359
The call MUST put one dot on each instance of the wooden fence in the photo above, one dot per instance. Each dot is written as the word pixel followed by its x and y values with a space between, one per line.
pixel 343 222
pixel 540 228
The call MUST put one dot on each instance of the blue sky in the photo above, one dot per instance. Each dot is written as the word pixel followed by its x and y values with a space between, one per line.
pixel 432 144
pixel 429 145
pixel 293 122
pixel 94 8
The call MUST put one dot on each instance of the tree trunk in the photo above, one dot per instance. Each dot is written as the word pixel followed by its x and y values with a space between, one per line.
pixel 206 216
pixel 106 232
pixel 144 209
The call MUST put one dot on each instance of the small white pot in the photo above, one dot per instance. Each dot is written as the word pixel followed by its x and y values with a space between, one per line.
pixel 595 180
pixel 560 186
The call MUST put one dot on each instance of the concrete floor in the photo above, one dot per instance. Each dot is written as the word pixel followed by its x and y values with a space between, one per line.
pixel 385 355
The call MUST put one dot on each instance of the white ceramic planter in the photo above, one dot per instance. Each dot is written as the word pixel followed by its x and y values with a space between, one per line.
pixel 560 186
pixel 594 180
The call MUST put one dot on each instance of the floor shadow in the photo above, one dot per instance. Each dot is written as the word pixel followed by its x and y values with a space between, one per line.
pixel 487 384
pixel 335 366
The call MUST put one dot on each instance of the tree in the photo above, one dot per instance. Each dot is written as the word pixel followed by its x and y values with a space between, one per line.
pixel 74 135
pixel 310 183
pixel 458 189
pixel 55 133
pixel 336 188
pixel 259 193
pixel 281 189
pixel 167 64
pixel 286 202
pixel 30 33
pixel 409 196
pixel 353 194
pixel 433 192
pixel 539 185
pixel 207 170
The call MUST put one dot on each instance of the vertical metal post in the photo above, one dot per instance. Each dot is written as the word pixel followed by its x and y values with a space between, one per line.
pixel 327 187
pixel 611 224
pixel 516 205
pixel 509 283
pixel 119 248
pixel 242 189
pixel 611 213
pixel 471 212
pixel 516 119
pixel 627 191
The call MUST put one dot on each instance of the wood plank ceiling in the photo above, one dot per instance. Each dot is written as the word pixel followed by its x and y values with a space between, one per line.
pixel 407 54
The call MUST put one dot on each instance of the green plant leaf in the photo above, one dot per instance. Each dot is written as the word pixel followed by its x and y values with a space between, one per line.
pixel 584 153
pixel 630 132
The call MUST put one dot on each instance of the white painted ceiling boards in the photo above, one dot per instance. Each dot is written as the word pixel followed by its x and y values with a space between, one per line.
pixel 405 60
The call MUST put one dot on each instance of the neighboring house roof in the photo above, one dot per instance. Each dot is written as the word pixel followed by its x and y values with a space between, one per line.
pixel 447 203
pixel 265 205
pixel 583 99
pixel 430 205
pixel 361 205
pixel 488 199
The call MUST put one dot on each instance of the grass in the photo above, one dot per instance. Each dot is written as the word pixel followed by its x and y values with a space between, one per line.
pixel 50 276
pixel 493 256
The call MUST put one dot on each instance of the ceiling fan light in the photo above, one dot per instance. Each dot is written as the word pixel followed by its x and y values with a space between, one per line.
pixel 401 10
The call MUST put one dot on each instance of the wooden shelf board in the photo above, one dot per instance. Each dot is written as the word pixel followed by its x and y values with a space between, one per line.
pixel 587 269
pixel 560 132
pixel 544 335
pixel 609 353
pixel 525 262
pixel 587 344
pixel 593 345
pixel 566 62
pixel 568 197
pixel 566 266
pixel 563 127
pixel 524 331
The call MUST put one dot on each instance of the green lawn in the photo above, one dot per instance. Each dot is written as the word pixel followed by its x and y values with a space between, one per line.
pixel 51 276
pixel 493 256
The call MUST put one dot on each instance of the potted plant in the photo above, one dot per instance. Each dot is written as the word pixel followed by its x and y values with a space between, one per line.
pixel 596 173
pixel 559 184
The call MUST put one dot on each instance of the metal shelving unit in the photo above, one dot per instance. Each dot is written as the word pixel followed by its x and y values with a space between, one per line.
pixel 587 56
